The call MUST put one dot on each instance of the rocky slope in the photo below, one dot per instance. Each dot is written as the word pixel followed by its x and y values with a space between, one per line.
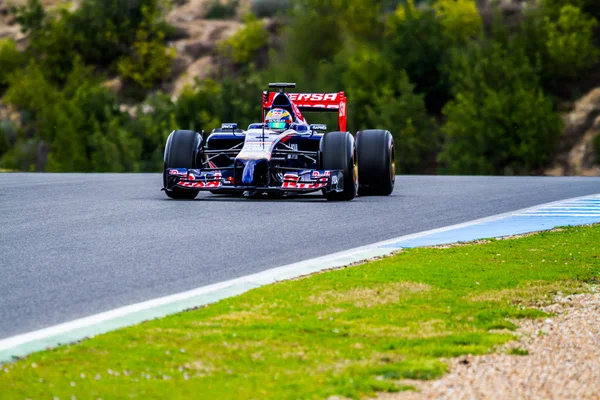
pixel 576 154
pixel 195 41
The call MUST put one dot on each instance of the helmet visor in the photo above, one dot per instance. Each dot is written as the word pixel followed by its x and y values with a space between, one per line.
pixel 277 124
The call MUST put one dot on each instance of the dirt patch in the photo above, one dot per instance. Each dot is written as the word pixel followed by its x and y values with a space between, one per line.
pixel 372 296
pixel 243 317
pixel 534 293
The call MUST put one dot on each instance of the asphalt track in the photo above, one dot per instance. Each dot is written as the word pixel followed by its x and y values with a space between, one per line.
pixel 72 245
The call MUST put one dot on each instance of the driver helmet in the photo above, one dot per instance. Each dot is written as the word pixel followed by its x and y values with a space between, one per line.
pixel 278 120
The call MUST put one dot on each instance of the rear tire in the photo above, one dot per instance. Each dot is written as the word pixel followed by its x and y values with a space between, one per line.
pixel 338 152
pixel 376 162
pixel 181 151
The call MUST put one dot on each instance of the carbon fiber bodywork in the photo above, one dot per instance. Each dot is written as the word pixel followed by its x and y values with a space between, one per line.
pixel 258 160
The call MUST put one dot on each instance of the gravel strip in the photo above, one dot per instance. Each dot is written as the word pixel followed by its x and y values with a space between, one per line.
pixel 563 361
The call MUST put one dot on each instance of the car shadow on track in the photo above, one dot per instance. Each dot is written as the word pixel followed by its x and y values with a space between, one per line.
pixel 293 199
pixel 222 198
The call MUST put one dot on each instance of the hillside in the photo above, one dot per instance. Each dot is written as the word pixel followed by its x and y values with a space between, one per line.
pixel 194 63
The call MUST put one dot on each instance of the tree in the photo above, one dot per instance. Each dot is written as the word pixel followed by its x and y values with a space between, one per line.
pixel 383 98
pixel 416 42
pixel 500 121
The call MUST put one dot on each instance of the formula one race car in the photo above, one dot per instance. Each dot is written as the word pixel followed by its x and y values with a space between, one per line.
pixel 282 155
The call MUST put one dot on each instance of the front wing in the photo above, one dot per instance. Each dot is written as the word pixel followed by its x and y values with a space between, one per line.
pixel 305 181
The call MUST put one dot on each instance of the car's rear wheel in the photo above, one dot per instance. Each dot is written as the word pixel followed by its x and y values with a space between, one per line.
pixel 376 162
pixel 338 152
pixel 181 151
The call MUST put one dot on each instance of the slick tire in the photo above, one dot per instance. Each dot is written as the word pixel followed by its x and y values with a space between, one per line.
pixel 181 151
pixel 339 152
pixel 376 162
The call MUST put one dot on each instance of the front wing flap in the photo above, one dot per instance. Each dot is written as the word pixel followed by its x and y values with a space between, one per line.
pixel 216 180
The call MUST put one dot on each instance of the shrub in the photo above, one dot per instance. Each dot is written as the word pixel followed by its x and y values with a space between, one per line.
pixel 242 46
pixel 460 19
pixel 569 43
pixel 416 42
pixel 55 47
pixel 500 121
pixel 382 98
pixel 30 16
pixel 241 99
pixel 219 9
pixel 198 106
pixel 105 30
pixel 99 32
pixel 269 8
pixel 149 62
pixel 79 123
pixel 10 59
pixel 553 7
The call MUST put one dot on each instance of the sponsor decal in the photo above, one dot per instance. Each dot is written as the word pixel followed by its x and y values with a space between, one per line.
pixel 191 177
pixel 316 174
pixel 342 108
pixel 327 173
pixel 313 96
pixel 334 180
pixel 293 146
pixel 318 127
pixel 290 178
pixel 177 171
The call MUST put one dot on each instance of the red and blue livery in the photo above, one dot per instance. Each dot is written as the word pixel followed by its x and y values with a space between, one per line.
pixel 283 154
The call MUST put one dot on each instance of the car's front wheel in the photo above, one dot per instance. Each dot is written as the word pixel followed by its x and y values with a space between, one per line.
pixel 181 151
pixel 339 153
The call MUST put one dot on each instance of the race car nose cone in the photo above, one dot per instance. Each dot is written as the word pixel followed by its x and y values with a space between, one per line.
pixel 255 172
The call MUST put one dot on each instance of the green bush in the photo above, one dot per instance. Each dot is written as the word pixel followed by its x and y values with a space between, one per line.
pixel 198 106
pixel 242 46
pixel 416 42
pixel 99 31
pixel 500 121
pixel 460 19
pixel 241 99
pixel 553 7
pixel 269 8
pixel 105 30
pixel 382 98
pixel 149 62
pixel 30 16
pixel 219 9
pixel 79 122
pixel 570 45
pixel 55 47
pixel 10 59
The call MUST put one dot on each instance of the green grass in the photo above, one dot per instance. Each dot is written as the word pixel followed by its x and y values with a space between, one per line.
pixel 515 351
pixel 349 332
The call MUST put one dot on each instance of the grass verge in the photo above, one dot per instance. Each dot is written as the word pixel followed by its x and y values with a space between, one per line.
pixel 349 332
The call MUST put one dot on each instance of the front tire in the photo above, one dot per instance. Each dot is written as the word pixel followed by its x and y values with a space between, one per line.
pixel 376 162
pixel 181 151
pixel 338 152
